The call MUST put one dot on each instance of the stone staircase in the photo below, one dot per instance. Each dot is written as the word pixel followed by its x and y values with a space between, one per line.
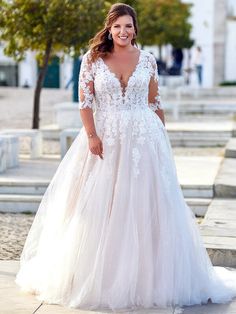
pixel 219 225
pixel 19 195
pixel 199 138
pixel 230 150
pixel 219 232
pixel 200 134
pixel 21 188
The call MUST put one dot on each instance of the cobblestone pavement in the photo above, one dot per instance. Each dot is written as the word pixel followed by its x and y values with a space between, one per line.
pixel 14 229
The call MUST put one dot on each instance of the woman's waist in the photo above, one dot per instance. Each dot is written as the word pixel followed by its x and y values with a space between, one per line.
pixel 141 116
pixel 122 110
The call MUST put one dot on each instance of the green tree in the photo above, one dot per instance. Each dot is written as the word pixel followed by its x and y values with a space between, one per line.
pixel 164 22
pixel 48 27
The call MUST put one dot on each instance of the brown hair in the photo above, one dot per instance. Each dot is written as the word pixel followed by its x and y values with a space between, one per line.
pixel 100 45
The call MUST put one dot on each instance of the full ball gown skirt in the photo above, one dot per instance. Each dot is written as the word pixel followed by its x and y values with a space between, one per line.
pixel 116 233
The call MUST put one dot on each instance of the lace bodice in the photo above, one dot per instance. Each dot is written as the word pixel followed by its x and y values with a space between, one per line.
pixel 101 90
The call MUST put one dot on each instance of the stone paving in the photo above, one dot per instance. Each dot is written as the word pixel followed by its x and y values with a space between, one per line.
pixel 16 302
pixel 16 105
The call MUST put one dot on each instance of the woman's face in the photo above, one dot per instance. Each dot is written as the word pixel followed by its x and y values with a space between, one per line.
pixel 123 31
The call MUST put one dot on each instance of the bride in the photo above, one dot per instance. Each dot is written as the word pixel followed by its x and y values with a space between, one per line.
pixel 113 230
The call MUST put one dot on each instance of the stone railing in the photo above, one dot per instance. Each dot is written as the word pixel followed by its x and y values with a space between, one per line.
pixel 9 152
pixel 34 135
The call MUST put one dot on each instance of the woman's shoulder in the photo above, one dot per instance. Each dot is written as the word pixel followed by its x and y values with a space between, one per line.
pixel 147 54
pixel 90 59
pixel 149 59
pixel 87 59
pixel 87 55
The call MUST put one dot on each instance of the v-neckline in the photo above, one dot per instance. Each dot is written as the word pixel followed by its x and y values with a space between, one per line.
pixel 124 89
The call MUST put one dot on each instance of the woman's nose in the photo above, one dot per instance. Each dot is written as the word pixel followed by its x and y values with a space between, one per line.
pixel 123 31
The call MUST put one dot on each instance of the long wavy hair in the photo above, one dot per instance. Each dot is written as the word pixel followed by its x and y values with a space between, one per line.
pixel 100 45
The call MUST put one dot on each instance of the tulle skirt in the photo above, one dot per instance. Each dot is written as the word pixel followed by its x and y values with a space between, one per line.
pixel 116 233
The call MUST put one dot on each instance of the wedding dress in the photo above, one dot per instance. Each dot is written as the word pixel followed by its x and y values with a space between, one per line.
pixel 116 233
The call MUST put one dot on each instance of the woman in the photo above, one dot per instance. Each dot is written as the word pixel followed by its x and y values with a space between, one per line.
pixel 113 229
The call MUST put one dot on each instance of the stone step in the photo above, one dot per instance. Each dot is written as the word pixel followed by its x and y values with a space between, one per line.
pixel 181 142
pixel 199 107
pixel 230 150
pixel 199 206
pixel 32 187
pixel 197 191
pixel 38 187
pixel 17 203
pixel 225 182
pixel 220 93
pixel 199 138
pixel 212 127
pixel 199 134
pixel 218 230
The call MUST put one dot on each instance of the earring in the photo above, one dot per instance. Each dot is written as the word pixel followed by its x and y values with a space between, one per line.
pixel 109 36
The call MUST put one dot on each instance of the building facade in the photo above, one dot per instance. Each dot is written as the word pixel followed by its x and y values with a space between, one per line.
pixel 214 29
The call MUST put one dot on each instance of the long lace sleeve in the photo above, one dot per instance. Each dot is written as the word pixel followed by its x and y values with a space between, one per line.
pixel 154 98
pixel 86 84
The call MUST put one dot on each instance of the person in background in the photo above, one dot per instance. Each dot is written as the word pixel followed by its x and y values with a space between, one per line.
pixel 178 56
pixel 198 63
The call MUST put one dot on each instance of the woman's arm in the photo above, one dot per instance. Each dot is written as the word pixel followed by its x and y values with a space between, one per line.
pixel 154 98
pixel 86 92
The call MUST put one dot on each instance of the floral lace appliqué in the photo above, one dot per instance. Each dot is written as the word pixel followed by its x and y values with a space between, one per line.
pixel 86 84
pixel 136 158
pixel 117 113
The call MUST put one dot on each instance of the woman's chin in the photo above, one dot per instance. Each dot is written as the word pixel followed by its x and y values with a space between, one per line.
pixel 124 43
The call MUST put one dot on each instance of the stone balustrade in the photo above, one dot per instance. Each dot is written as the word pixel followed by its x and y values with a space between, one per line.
pixel 36 139
pixel 9 152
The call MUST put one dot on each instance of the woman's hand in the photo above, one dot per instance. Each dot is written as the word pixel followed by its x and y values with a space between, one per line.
pixel 95 146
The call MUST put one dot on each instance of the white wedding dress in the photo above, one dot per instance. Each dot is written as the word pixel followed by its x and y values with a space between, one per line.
pixel 116 233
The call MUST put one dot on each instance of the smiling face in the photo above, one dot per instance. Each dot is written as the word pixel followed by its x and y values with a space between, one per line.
pixel 123 31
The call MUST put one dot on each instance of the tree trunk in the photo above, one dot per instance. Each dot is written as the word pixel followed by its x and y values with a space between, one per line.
pixel 160 52
pixel 188 67
pixel 39 84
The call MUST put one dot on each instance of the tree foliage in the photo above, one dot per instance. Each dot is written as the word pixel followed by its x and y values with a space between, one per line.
pixel 51 27
pixel 32 24
pixel 164 22
pixel 48 27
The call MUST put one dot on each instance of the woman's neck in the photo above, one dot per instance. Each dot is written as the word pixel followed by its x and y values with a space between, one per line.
pixel 120 49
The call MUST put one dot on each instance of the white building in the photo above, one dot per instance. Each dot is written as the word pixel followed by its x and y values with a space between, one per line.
pixel 25 72
pixel 214 29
